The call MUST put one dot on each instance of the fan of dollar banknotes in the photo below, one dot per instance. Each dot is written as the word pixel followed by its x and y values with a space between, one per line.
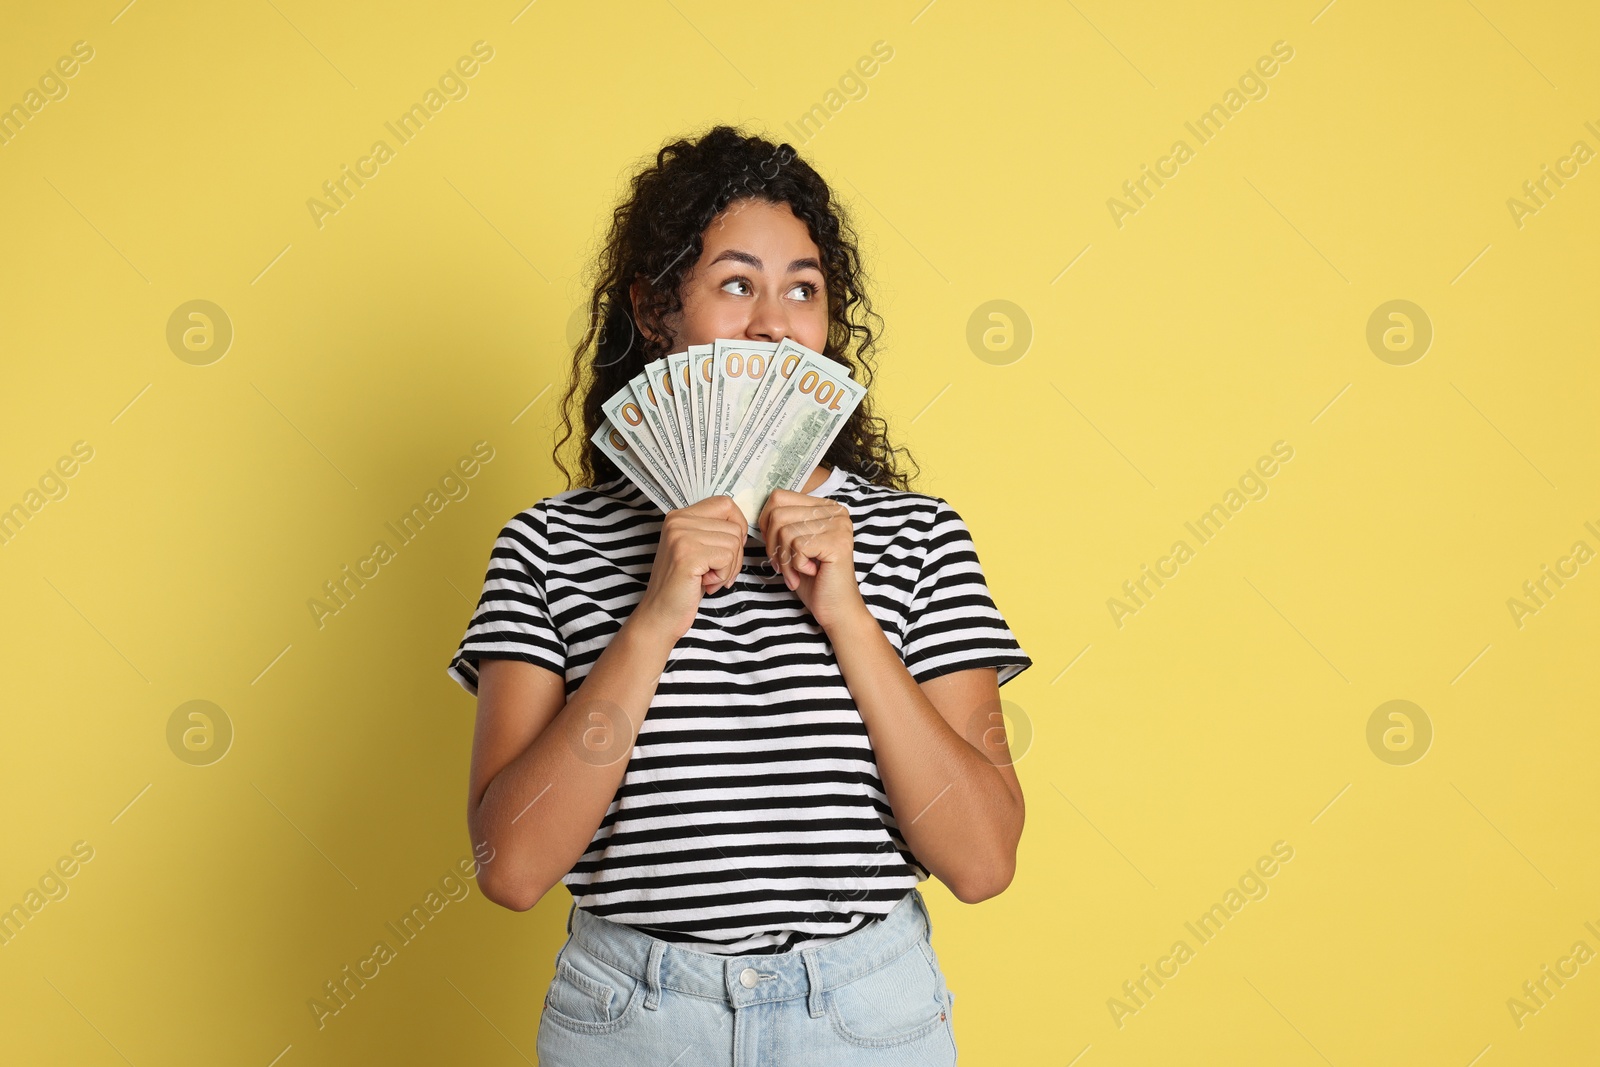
pixel 734 418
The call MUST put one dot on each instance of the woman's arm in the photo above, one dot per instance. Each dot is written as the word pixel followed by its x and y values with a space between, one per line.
pixel 941 746
pixel 545 769
pixel 943 758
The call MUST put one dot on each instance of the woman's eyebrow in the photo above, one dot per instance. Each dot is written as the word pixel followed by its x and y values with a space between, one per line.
pixel 738 257
pixel 755 261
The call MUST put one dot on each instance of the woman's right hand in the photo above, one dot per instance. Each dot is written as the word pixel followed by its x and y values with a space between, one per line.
pixel 700 551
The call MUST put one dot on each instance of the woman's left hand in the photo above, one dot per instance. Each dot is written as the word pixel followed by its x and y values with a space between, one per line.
pixel 811 542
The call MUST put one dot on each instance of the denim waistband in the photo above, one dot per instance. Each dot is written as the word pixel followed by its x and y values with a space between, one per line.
pixel 755 979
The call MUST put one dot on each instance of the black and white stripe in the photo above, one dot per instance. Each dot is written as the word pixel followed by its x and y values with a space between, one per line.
pixel 751 818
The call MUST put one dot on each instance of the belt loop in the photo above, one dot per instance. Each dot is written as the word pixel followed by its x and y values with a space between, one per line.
pixel 922 906
pixel 652 974
pixel 569 915
pixel 814 979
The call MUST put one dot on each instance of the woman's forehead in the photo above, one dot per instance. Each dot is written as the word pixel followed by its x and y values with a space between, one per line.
pixel 770 232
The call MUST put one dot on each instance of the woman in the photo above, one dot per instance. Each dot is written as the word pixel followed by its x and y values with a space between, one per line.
pixel 740 754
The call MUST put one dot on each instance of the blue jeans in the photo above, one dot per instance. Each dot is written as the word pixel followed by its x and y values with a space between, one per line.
pixel 875 996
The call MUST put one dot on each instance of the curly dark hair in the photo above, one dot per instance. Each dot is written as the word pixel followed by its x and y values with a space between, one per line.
pixel 655 239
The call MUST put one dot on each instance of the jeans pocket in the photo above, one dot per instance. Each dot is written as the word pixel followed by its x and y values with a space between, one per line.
pixel 900 1002
pixel 589 995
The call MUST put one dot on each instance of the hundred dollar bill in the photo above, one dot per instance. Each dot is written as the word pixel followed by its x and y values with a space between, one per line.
pixel 780 366
pixel 803 419
pixel 680 390
pixel 666 394
pixel 739 369
pixel 614 446
pixel 701 360
pixel 625 414
pixel 649 400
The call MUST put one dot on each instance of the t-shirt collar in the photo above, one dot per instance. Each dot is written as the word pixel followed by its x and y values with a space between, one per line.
pixel 836 478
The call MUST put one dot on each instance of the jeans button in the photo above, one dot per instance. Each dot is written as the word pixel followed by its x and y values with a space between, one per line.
pixel 748 978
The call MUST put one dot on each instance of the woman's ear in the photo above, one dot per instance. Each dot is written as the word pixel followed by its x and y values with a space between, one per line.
pixel 635 293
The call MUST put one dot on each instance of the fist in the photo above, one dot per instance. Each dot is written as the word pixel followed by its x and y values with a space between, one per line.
pixel 701 550
pixel 811 542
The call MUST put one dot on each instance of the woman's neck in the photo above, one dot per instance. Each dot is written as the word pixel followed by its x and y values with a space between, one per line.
pixel 818 476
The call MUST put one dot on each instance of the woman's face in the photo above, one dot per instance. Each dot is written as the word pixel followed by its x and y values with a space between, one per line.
pixel 759 278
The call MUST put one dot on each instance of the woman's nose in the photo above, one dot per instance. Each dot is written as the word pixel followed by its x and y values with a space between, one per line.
pixel 769 320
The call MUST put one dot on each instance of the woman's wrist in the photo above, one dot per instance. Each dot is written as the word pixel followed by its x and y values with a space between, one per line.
pixel 649 632
pixel 853 624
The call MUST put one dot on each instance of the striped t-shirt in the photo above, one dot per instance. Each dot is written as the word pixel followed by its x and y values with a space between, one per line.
pixel 751 818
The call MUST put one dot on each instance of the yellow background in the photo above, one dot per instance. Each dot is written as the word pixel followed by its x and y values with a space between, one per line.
pixel 1167 754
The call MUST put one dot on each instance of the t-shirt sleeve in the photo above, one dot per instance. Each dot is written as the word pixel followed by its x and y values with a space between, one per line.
pixel 953 624
pixel 512 619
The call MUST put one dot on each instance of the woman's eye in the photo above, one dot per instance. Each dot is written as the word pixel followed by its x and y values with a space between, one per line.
pixel 742 287
pixel 806 290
